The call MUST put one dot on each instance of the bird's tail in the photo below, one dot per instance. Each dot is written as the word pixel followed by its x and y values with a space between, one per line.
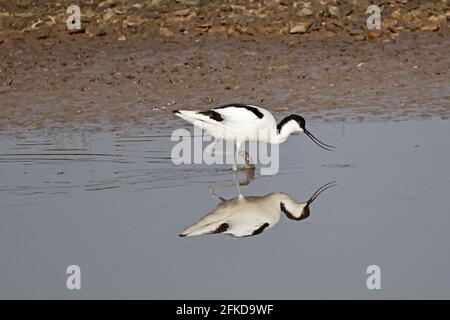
pixel 200 229
pixel 190 116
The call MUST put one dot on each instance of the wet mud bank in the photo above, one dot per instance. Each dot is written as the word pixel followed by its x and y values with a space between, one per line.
pixel 106 84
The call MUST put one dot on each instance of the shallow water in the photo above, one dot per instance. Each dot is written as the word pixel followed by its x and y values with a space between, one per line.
pixel 114 204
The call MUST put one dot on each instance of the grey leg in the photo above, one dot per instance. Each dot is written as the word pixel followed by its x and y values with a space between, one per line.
pixel 210 147
pixel 212 193
pixel 236 183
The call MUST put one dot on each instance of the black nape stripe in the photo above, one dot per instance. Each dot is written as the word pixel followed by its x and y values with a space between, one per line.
pixel 299 119
pixel 305 214
pixel 255 110
pixel 260 229
pixel 213 115
pixel 222 228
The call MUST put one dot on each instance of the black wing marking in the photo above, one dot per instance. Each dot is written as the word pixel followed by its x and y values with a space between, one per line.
pixel 213 115
pixel 260 229
pixel 252 109
pixel 222 228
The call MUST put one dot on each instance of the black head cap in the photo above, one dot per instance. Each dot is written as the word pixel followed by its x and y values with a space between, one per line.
pixel 305 213
pixel 299 119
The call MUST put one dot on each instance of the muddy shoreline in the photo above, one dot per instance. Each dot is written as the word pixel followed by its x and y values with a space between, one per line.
pixel 130 19
pixel 109 83
pixel 133 61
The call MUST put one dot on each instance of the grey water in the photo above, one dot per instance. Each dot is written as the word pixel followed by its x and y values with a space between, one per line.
pixel 114 204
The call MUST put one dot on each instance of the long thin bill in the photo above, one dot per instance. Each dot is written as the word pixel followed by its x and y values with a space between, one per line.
pixel 318 142
pixel 322 189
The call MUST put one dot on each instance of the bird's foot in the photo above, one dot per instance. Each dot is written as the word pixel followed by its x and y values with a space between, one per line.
pixel 248 165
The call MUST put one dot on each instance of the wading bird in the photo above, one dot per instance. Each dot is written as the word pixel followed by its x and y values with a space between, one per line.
pixel 243 122
pixel 249 216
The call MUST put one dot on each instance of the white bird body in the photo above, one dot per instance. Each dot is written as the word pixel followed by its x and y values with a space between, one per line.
pixel 243 122
pixel 249 216
pixel 244 216
pixel 237 124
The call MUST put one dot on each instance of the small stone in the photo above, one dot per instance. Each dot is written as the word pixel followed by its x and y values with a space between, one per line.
pixel 152 15
pixel 315 25
pixel 286 2
pixel 430 25
pixel 43 34
pixel 441 22
pixel 6 21
pixel 363 4
pixel 305 12
pixel 166 32
pixel 77 31
pixel 204 27
pixel 51 21
pixel 396 14
pixel 118 11
pixel 131 24
pixel 373 34
pixel 353 31
pixel 99 31
pixel 127 31
pixel 20 24
pixel 107 4
pixel 334 12
pixel 389 23
pixel 410 25
pixel 300 28
pixel 334 25
pixel 411 5
pixel 182 13
pixel 108 15
pixel 122 37
pixel 226 8
pixel 48 44
pixel 24 4
pixel 346 10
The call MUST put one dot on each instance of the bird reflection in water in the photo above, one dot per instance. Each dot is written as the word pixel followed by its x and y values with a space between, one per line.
pixel 249 216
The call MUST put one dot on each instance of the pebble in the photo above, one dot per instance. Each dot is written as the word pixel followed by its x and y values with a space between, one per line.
pixel 137 6
pixel 299 28
pixel 107 4
pixel 430 25
pixel 77 31
pixel 48 44
pixel 182 13
pixel 108 15
pixel 43 34
pixel 122 37
pixel 373 34
pixel 334 12
pixel 396 14
pixel 411 26
pixel 20 24
pixel 99 31
pixel 305 12
pixel 166 32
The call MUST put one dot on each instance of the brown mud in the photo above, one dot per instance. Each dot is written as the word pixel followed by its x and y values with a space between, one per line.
pixel 64 80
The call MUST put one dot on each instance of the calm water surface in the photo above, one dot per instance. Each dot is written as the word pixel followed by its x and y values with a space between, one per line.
pixel 114 204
